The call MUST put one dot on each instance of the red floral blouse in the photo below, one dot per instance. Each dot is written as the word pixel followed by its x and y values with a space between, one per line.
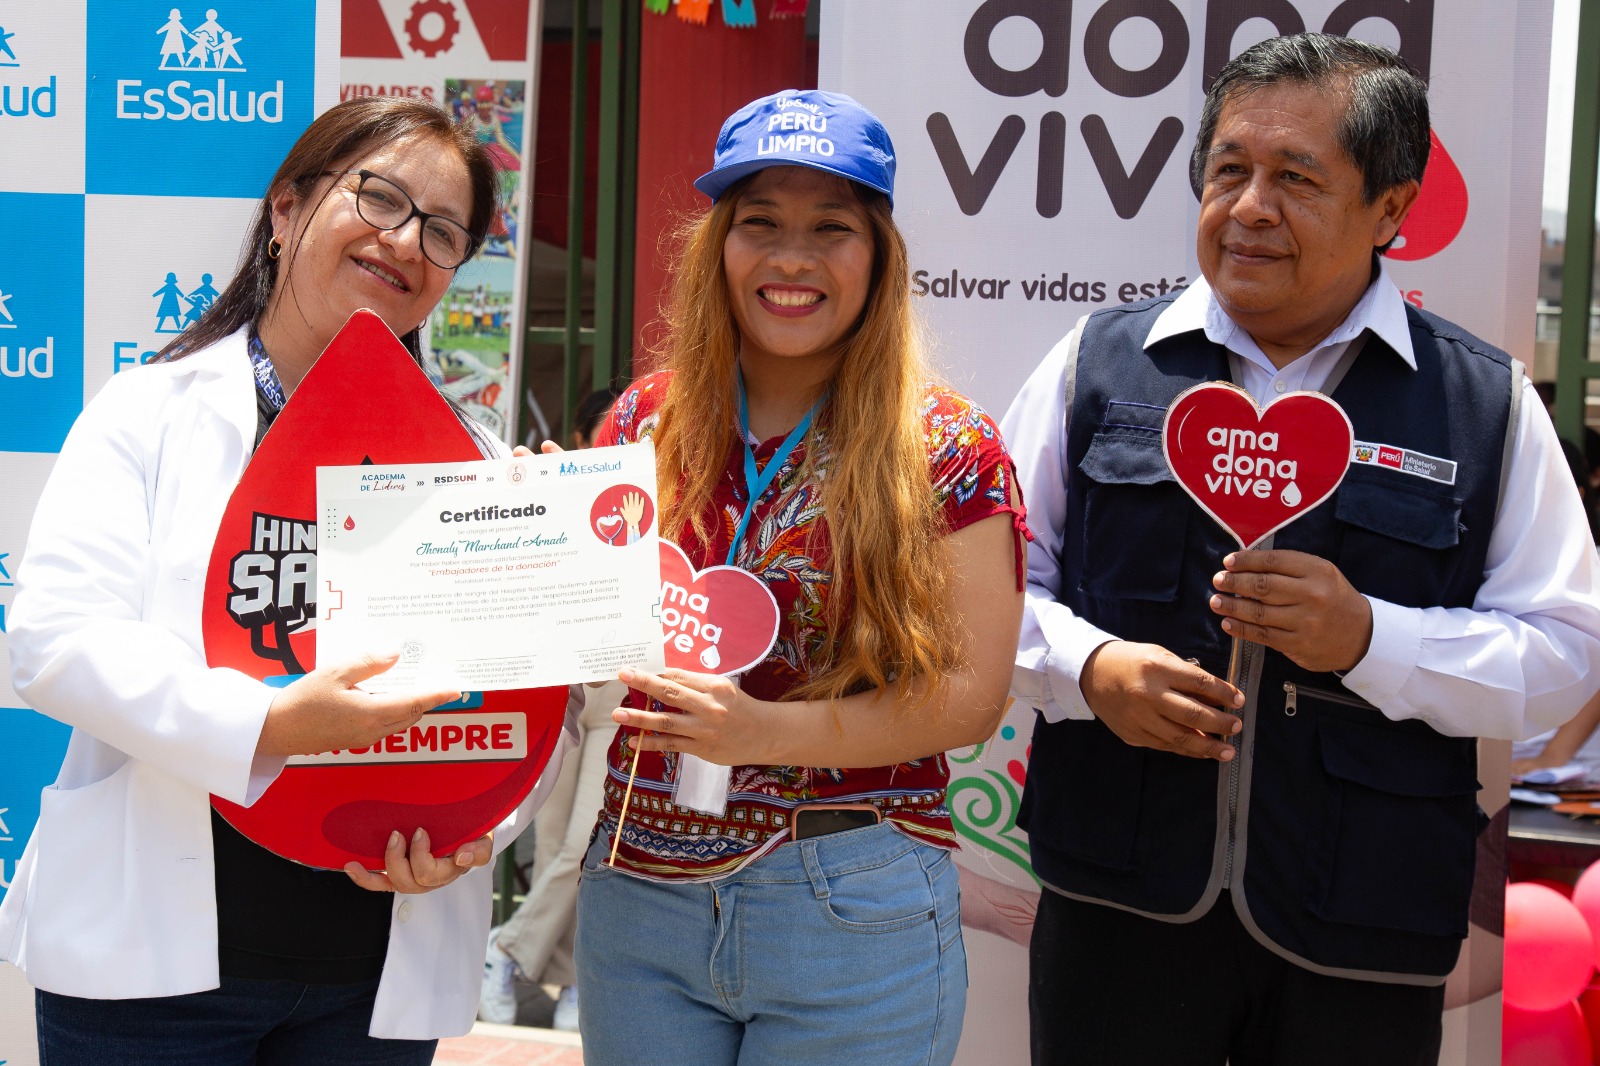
pixel 786 546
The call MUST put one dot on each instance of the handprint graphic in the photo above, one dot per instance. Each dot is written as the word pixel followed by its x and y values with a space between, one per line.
pixel 622 515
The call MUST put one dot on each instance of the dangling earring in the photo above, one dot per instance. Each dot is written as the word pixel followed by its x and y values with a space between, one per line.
pixel 274 248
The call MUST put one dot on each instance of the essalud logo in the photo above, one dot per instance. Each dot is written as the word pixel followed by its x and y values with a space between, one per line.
pixel 170 317
pixel 19 101
pixel 206 45
pixel 17 360
pixel 570 467
pixel 209 48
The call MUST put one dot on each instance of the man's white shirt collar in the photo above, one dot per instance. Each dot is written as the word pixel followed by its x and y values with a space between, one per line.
pixel 1381 309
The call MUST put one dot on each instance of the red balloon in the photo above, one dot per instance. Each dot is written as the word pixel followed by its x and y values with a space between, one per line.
pixel 1586 897
pixel 1589 1003
pixel 1563 887
pixel 1544 1038
pixel 1549 949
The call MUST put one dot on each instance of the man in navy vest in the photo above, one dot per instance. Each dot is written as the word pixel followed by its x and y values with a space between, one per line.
pixel 1280 872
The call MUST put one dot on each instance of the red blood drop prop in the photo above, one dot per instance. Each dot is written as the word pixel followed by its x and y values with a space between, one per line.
pixel 365 400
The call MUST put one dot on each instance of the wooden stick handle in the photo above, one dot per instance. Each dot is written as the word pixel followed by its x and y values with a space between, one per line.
pixel 627 795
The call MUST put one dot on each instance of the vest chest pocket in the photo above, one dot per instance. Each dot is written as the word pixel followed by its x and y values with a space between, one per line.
pixel 1397 841
pixel 1135 517
pixel 1402 543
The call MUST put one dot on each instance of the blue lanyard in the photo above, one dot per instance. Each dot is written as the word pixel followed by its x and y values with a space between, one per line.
pixel 266 375
pixel 757 483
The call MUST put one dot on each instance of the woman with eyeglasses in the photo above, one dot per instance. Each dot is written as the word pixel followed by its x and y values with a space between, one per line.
pixel 802 905
pixel 193 944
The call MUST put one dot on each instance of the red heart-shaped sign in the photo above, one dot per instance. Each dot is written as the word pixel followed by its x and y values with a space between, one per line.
pixel 720 620
pixel 465 766
pixel 1256 471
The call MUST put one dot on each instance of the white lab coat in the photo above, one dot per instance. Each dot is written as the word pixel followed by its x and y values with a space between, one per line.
pixel 114 897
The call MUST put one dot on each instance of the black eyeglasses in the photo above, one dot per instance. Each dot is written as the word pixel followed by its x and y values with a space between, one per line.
pixel 385 205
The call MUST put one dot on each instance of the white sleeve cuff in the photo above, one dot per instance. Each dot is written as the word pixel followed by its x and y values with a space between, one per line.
pixel 264 770
pixel 1063 667
pixel 1391 657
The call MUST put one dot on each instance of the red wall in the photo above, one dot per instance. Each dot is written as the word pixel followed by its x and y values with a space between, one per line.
pixel 553 142
pixel 690 79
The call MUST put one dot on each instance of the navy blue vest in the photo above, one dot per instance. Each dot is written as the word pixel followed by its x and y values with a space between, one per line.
pixel 1346 839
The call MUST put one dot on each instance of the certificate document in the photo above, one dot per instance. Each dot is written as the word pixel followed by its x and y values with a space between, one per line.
pixel 500 574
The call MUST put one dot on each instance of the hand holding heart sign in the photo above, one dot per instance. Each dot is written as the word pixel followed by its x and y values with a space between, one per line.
pixel 714 622
pixel 1255 472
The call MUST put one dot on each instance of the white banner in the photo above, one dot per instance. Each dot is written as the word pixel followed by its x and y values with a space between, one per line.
pixel 139 137
pixel 476 58
pixel 1043 152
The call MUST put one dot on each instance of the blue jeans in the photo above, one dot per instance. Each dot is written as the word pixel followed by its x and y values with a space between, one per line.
pixel 244 1022
pixel 841 948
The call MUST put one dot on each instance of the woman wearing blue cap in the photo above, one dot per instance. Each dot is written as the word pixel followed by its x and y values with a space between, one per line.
pixel 808 909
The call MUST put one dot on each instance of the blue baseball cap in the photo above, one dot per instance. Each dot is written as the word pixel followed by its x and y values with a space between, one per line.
pixel 802 128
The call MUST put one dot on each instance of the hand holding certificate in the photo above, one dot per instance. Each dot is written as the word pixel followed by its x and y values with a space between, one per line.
pixel 500 574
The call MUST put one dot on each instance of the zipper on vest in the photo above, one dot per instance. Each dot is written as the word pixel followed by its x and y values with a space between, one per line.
pixel 1247 663
pixel 1292 691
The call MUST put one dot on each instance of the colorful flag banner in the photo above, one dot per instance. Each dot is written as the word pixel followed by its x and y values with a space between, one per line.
pixel 739 13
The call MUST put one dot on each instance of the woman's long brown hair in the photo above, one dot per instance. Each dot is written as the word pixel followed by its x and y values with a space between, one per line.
pixel 887 620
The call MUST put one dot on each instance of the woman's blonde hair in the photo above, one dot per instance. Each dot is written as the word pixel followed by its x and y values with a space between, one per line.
pixel 885 617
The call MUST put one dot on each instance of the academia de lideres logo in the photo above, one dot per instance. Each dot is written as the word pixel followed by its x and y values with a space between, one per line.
pixel 8 58
pixel 207 45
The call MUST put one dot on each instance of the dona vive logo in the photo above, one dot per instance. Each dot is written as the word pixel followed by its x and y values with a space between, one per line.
pixel 22 97
pixel 973 158
pixel 175 90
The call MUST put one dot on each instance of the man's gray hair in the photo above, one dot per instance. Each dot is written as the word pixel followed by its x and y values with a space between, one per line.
pixel 1384 129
